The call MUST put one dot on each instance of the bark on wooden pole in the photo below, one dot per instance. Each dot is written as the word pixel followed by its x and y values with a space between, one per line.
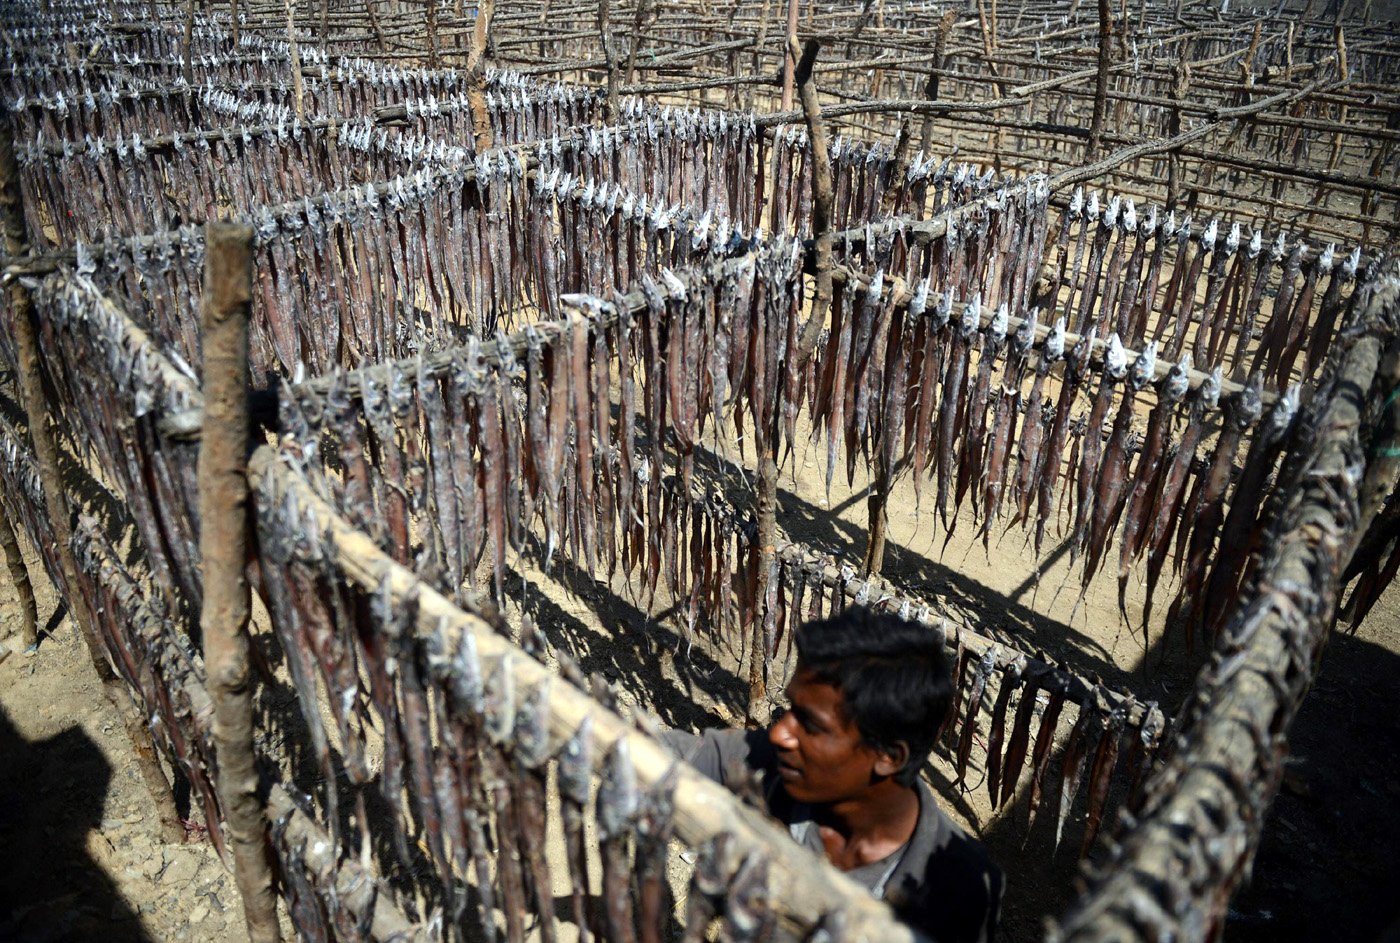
pixel 790 55
pixel 19 576
pixel 476 76
pixel 940 54
pixel 609 57
pixel 188 48
pixel 432 28
pixel 767 493
pixel 1101 80
pixel 223 511
pixel 295 55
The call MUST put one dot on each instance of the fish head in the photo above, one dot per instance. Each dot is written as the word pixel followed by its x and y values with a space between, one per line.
pixel 919 301
pixel 1256 244
pixel 1000 323
pixel 1150 225
pixel 971 315
pixel 1285 408
pixel 1208 237
pixel 1076 203
pixel 1209 391
pixel 1130 220
pixel 1091 209
pixel 1115 359
pixel 532 725
pixel 1279 247
pixel 576 763
pixel 617 794
pixel 1025 332
pixel 1232 241
pixel 1353 261
pixel 1055 341
pixel 1249 404
pixel 499 700
pixel 1144 367
pixel 1110 214
pixel 945 310
pixel 876 287
pixel 1327 259
pixel 1178 380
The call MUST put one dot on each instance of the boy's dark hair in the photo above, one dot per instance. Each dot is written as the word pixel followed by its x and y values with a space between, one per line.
pixel 893 676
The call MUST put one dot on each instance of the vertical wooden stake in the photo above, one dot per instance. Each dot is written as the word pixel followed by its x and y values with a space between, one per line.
pixel 376 25
pixel 476 76
pixel 223 537
pixel 189 42
pixel 636 41
pixel 432 27
pixel 609 56
pixel 1101 80
pixel 19 576
pixel 790 58
pixel 232 19
pixel 940 52
pixel 767 496
pixel 298 105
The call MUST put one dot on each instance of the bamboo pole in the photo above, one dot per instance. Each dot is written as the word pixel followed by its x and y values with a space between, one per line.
pixel 19 576
pixel 223 509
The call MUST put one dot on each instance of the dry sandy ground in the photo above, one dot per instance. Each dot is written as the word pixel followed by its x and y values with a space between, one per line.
pixel 80 852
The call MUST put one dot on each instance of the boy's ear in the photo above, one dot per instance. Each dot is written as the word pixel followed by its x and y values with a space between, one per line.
pixel 891 761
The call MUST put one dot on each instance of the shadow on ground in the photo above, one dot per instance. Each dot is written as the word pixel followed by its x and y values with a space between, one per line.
pixel 51 798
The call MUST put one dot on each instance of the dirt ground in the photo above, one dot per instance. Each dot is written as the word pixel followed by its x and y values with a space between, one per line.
pixel 81 857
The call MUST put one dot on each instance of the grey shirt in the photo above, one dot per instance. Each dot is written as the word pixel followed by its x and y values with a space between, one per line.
pixel 941 881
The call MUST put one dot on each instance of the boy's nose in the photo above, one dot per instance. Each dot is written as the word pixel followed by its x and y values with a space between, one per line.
pixel 781 734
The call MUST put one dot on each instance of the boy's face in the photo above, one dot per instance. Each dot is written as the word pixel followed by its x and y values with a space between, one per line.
pixel 821 756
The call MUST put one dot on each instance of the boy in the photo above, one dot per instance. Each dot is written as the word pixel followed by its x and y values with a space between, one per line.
pixel 841 768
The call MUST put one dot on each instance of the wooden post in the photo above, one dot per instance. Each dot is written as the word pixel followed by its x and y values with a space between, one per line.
pixel 940 54
pixel 609 56
pixel 31 388
pixel 295 54
pixel 19 576
pixel 1101 80
pixel 766 500
pixel 189 42
pixel 790 57
pixel 432 27
pixel 636 41
pixel 375 25
pixel 232 19
pixel 324 33
pixel 476 76
pixel 223 511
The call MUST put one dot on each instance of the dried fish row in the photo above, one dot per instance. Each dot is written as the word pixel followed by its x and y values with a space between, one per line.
pixel 813 585
pixel 113 415
pixel 163 184
pixel 491 776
